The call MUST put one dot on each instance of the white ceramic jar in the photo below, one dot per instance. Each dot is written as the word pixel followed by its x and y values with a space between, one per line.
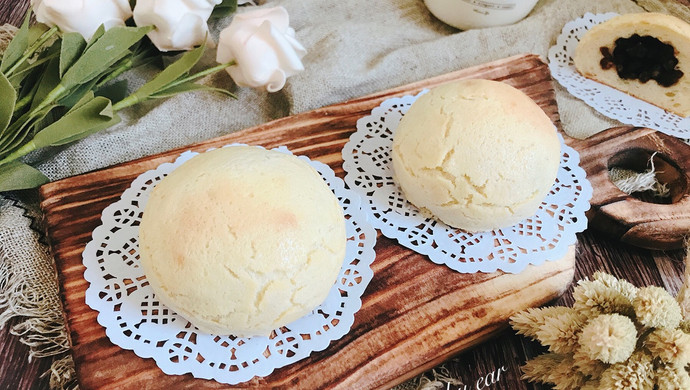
pixel 468 14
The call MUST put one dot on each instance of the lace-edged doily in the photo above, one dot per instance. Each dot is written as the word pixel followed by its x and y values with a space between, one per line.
pixel 608 101
pixel 546 236
pixel 135 320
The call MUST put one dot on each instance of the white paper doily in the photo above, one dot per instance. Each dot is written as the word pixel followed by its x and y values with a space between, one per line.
pixel 546 236
pixel 135 320
pixel 608 101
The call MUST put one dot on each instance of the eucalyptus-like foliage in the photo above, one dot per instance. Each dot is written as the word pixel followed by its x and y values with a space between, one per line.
pixel 56 88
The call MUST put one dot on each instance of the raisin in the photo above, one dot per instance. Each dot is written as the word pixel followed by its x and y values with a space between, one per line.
pixel 607 61
pixel 669 78
pixel 642 58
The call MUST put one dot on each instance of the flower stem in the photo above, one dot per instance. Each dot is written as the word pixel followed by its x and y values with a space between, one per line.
pixel 21 103
pixel 203 73
pixel 126 102
pixel 134 98
pixel 32 49
pixel 125 66
pixel 52 96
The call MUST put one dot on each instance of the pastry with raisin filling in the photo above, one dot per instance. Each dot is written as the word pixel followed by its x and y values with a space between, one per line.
pixel 646 55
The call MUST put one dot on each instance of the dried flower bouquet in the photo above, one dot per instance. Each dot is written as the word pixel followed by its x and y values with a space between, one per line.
pixel 616 336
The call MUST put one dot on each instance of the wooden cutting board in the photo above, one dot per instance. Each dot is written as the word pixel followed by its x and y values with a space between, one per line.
pixel 415 314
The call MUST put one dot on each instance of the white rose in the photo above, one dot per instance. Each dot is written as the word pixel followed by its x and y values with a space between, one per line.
pixel 264 48
pixel 82 16
pixel 180 24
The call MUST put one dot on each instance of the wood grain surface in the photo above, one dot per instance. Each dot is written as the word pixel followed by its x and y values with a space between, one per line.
pixel 644 221
pixel 414 313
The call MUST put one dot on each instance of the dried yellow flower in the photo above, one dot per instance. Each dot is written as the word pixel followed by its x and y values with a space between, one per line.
pixel 588 366
pixel 568 380
pixel 623 286
pixel 561 331
pixel 672 346
pixel 685 326
pixel 602 296
pixel 528 322
pixel 672 378
pixel 591 384
pixel 637 373
pixel 555 369
pixel 656 308
pixel 610 338
pixel 541 369
pixel 615 337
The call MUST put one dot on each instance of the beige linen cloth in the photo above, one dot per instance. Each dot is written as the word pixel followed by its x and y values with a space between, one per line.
pixel 355 47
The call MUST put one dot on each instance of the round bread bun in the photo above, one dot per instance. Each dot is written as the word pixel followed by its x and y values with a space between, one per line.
pixel 477 154
pixel 242 240
pixel 590 61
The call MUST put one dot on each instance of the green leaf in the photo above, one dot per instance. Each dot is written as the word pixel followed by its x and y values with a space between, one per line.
pixel 187 87
pixel 145 54
pixel 105 51
pixel 15 50
pixel 73 44
pixel 90 117
pixel 23 71
pixel 225 8
pixel 13 140
pixel 31 82
pixel 76 94
pixel 27 91
pixel 49 80
pixel 171 73
pixel 36 31
pixel 84 99
pixel 16 175
pixel 44 119
pixel 22 129
pixel 115 91
pixel 8 96
pixel 115 71
pixel 96 36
